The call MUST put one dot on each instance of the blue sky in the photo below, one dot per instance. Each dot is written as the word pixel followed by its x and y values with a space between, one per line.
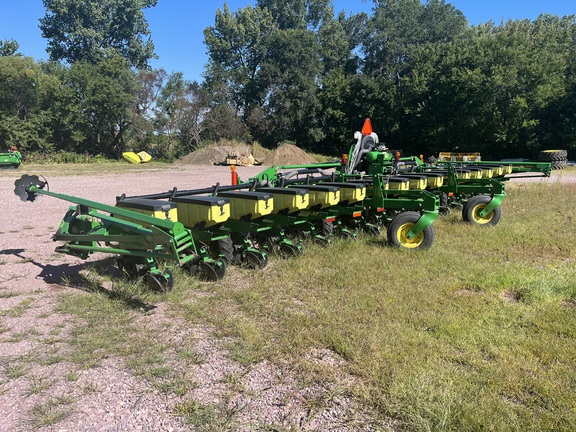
pixel 177 25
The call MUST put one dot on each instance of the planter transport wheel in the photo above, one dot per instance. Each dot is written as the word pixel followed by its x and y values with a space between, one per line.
pixel 401 225
pixel 472 209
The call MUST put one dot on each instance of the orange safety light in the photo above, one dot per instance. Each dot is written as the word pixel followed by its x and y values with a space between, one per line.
pixel 380 209
pixel 397 155
pixel 234 175
pixel 367 128
pixel 332 219
pixel 344 159
pixel 450 194
pixel 357 214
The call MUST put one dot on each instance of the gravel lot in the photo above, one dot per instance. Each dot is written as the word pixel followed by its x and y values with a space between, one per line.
pixel 30 283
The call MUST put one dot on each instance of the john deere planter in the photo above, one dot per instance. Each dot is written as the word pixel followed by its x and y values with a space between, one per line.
pixel 203 230
pixel 476 188
pixel 148 243
pixel 275 211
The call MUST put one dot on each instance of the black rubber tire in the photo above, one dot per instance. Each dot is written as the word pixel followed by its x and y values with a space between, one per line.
pixel 326 228
pixel 224 248
pixel 474 205
pixel 552 155
pixel 444 204
pixel 559 164
pixel 443 199
pixel 401 224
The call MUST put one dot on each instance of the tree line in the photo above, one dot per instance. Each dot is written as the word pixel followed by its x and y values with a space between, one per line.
pixel 294 70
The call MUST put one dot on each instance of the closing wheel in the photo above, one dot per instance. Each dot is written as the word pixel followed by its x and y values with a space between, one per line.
pixel 288 250
pixel 211 271
pixel 321 241
pixel 347 235
pixel 475 205
pixel 372 230
pixel 255 259
pixel 401 225
pixel 161 283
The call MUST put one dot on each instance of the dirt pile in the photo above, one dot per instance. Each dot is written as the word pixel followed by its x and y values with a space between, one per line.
pixel 215 155
pixel 288 154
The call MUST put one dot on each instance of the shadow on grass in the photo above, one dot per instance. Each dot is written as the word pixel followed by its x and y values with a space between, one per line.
pixel 71 276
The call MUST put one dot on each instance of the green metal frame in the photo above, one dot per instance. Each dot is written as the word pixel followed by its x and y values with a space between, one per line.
pixel 90 227
pixel 10 159
pixel 422 201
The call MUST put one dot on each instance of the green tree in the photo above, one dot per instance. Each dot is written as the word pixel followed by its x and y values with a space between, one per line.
pixel 141 133
pixel 298 14
pixel 26 95
pixel 292 107
pixel 237 45
pixel 487 91
pixel 8 47
pixel 397 27
pixel 94 30
pixel 179 115
pixel 105 95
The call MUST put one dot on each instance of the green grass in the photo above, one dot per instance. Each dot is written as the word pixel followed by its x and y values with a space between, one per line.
pixel 64 169
pixel 38 383
pixel 19 309
pixel 477 333
pixel 15 370
pixel 50 412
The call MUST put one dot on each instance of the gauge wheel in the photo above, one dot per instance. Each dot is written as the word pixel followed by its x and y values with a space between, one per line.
pixel 224 248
